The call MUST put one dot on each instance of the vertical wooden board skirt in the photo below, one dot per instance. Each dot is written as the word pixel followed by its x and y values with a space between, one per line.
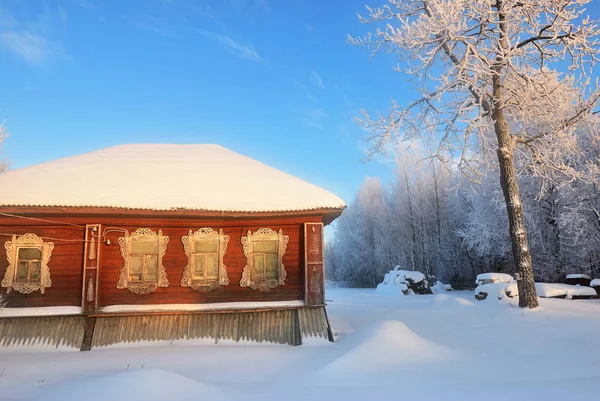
pixel 48 331
pixel 285 326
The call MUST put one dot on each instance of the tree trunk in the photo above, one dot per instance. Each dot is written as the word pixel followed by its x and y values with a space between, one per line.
pixel 512 197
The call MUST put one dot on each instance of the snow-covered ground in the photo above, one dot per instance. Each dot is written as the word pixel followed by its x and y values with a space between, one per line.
pixel 430 347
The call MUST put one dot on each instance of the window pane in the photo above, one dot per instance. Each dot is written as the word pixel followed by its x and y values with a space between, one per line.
pixel 151 271
pixel 199 267
pixel 206 246
pixel 259 267
pixel 144 247
pixel 272 267
pixel 34 271
pixel 264 246
pixel 135 268
pixel 21 271
pixel 30 253
pixel 212 266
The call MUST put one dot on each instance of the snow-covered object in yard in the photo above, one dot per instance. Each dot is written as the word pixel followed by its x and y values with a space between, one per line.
pixel 440 287
pixel 555 290
pixel 163 177
pixel 572 276
pixel 595 282
pixel 490 278
pixel 496 291
pixel 544 290
pixel 398 281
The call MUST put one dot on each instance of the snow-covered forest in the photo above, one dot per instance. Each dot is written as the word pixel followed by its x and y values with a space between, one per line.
pixel 433 219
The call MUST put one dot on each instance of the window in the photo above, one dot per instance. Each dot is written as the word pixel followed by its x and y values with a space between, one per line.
pixel 142 253
pixel 205 250
pixel 264 250
pixel 28 258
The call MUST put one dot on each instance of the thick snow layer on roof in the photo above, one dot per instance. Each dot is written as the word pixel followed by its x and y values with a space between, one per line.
pixel 163 177
pixel 489 278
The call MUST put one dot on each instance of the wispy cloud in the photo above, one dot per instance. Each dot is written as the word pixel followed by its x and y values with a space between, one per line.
pixel 316 117
pixel 316 80
pixel 153 24
pixel 251 5
pixel 208 12
pixel 84 4
pixel 34 49
pixel 308 94
pixel 30 39
pixel 237 49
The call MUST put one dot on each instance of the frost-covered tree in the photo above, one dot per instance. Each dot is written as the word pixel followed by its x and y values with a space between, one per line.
pixel 488 78
pixel 361 244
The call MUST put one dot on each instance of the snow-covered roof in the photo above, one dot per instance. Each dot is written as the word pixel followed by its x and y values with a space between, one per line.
pixel 163 177
pixel 578 275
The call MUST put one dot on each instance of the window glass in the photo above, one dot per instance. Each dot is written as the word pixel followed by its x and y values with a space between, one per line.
pixel 136 268
pixel 30 253
pixel 212 266
pixel 271 267
pixel 265 246
pixel 144 247
pixel 206 246
pixel 22 269
pixel 34 271
pixel 151 268
pixel 259 266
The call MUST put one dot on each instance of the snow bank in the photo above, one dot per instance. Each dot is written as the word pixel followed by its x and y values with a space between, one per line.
pixel 549 290
pixel 578 276
pixel 544 290
pixel 490 278
pixel 40 311
pixel 595 282
pixel 397 281
pixel 440 287
pixel 380 347
pixel 200 307
pixel 140 384
pixel 496 291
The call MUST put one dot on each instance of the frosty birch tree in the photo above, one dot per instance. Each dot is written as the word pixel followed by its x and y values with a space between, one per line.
pixel 487 74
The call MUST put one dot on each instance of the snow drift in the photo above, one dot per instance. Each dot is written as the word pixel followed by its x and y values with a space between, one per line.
pixel 381 346
pixel 140 384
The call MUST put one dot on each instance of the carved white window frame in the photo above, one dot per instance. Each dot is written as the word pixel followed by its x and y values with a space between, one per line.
pixel 204 234
pixel 143 235
pixel 12 247
pixel 263 234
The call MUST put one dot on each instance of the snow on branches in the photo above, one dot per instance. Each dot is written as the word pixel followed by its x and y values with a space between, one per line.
pixel 453 49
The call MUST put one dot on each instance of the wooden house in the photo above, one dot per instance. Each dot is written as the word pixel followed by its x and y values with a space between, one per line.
pixel 154 242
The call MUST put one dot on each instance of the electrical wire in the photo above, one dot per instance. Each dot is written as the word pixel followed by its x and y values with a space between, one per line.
pixel 16 216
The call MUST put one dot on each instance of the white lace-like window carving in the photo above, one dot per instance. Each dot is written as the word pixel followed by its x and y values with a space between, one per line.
pixel 28 257
pixel 205 250
pixel 142 252
pixel 264 250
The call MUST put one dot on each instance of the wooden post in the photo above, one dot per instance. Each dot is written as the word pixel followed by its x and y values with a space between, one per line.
pixel 91 268
pixel 313 264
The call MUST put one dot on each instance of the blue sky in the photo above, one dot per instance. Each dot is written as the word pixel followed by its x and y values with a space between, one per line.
pixel 271 79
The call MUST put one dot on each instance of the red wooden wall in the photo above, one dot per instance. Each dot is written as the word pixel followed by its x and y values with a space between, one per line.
pixel 67 259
